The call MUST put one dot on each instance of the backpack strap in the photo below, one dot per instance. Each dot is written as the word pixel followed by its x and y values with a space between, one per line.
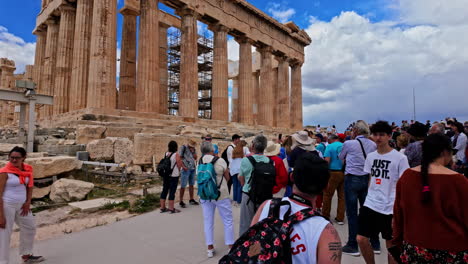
pixel 252 160
pixel 362 148
pixel 175 164
pixel 303 215
pixel 214 160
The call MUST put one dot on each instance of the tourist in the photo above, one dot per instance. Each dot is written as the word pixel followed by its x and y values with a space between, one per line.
pixel 318 129
pixel 188 155
pixel 322 239
pixel 320 145
pixel 272 151
pixel 437 128
pixel 430 212
pixel 428 125
pixel 223 203
pixel 248 207
pixel 170 183
pixel 16 186
pixel 353 154
pixel 209 138
pixel 402 142
pixel 235 140
pixel 385 167
pixel 336 182
pixel 459 141
pixel 413 152
pixel 240 151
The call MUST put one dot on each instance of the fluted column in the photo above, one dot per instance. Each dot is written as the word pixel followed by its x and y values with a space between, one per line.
pixel 188 98
pixel 296 95
pixel 81 53
pixel 50 60
pixel 256 96
pixel 147 90
pixel 266 81
pixel 103 57
pixel 163 74
pixel 220 101
pixel 275 105
pixel 235 100
pixel 283 93
pixel 127 82
pixel 39 58
pixel 245 82
pixel 64 59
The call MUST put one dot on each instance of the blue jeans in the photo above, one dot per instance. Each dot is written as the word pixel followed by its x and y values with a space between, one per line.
pixel 236 189
pixel 187 176
pixel 355 187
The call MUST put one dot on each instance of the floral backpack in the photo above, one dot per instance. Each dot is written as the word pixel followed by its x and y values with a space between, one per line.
pixel 268 240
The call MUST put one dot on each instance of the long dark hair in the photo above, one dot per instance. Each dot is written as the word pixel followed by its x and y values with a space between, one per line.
pixel 432 147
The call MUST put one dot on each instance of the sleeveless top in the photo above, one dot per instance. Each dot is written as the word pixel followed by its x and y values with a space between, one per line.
pixel 176 171
pixel 304 236
pixel 14 191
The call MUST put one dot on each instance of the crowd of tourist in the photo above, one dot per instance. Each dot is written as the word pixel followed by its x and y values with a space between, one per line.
pixel 404 183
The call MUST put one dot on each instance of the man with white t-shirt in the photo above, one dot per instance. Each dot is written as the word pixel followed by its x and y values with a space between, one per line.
pixel 385 167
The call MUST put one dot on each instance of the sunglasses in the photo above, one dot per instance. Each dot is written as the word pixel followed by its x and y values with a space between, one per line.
pixel 15 158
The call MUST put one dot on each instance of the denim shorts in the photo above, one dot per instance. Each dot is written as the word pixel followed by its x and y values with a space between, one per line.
pixel 187 176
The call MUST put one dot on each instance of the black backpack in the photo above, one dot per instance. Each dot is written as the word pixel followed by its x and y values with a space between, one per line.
pixel 268 240
pixel 262 181
pixel 224 155
pixel 164 167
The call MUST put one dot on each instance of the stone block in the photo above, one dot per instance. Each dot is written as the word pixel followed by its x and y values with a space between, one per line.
pixel 39 193
pixel 101 149
pixel 135 170
pixel 5 148
pixel 126 132
pixel 69 150
pixel 37 155
pixel 51 166
pixel 123 151
pixel 93 205
pixel 147 145
pixel 66 190
pixel 85 134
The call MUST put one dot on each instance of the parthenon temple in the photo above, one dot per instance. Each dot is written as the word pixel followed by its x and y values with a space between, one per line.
pixel 76 61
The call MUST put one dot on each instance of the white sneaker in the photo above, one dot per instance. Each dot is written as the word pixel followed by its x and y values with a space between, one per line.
pixel 210 253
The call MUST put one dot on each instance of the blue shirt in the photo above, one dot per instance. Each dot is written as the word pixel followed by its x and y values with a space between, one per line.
pixel 216 150
pixel 332 151
pixel 321 147
pixel 352 154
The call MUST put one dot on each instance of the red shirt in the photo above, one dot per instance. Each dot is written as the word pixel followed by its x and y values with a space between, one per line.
pixel 442 224
pixel 281 174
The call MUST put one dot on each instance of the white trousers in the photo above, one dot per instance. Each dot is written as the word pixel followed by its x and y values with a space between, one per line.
pixel 225 211
pixel 27 228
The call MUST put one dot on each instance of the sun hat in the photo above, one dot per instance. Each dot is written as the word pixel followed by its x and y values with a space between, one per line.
pixel 192 144
pixel 302 138
pixel 272 149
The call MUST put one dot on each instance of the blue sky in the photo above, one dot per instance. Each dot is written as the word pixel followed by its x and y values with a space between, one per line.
pixel 365 59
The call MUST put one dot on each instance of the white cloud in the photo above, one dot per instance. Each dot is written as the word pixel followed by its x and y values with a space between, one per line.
pixel 280 12
pixel 15 48
pixel 356 69
pixel 436 12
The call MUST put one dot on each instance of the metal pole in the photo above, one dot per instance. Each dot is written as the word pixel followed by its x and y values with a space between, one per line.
pixel 31 124
pixel 22 121
pixel 414 104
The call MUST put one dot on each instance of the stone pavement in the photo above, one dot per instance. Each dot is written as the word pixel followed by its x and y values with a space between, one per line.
pixel 149 238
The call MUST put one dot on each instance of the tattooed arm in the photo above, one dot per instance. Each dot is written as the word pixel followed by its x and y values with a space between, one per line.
pixel 329 246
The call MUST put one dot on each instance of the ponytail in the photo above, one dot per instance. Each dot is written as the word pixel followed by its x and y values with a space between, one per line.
pixel 432 148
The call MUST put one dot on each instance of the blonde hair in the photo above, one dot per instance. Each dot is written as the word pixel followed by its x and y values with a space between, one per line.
pixel 238 151
pixel 402 141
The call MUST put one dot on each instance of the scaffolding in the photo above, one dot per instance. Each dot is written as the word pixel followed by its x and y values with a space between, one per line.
pixel 205 72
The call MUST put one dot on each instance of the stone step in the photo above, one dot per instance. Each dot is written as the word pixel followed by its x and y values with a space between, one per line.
pixel 93 205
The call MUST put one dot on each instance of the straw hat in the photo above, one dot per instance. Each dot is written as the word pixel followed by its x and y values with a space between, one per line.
pixel 272 149
pixel 192 144
pixel 302 137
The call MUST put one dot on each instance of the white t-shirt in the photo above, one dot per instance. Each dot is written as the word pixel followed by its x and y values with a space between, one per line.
pixel 175 171
pixel 305 234
pixel 384 170
pixel 14 192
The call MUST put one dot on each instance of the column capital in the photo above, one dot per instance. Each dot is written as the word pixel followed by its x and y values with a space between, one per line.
pixel 244 39
pixel 265 49
pixel 51 21
pixel 186 11
pixel 281 58
pixel 218 27
pixel 66 8
pixel 164 25
pixel 129 11
pixel 40 31
pixel 295 62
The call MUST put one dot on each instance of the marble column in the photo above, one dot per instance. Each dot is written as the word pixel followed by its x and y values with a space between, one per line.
pixel 245 81
pixel 296 95
pixel 283 93
pixel 103 57
pixel 39 58
pixel 163 74
pixel 81 53
pixel 127 82
pixel 147 90
pixel 188 93
pixel 220 101
pixel 64 59
pixel 265 106
pixel 256 95
pixel 50 60
pixel 275 105
pixel 235 100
